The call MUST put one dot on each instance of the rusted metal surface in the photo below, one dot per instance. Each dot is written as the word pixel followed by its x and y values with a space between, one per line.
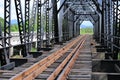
pixel 39 67
pixel 62 65
pixel 69 66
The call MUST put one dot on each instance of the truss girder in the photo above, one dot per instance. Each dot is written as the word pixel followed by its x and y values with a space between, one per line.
pixel 20 20
pixel 21 26
pixel 116 28
pixel 74 12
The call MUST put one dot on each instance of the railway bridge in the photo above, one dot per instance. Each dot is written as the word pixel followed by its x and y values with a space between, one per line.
pixel 50 45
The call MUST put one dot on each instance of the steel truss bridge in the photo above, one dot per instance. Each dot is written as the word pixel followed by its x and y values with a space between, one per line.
pixel 62 19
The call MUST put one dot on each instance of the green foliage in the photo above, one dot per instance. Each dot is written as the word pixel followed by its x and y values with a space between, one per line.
pixel 119 55
pixel 14 28
pixel 17 56
pixel 33 49
pixel 87 30
pixel 2 23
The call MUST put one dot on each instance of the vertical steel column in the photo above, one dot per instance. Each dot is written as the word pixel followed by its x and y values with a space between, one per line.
pixel 73 26
pixel 118 24
pixel 103 24
pixel 64 29
pixel 33 20
pixel 114 24
pixel 53 27
pixel 70 25
pixel 47 24
pixel 7 36
pixel 27 29
pixel 52 24
pixel 55 16
pixel 3 58
pixel 106 23
pixel 78 28
pixel 98 35
pixel 109 24
pixel 96 24
pixel 116 17
pixel 39 26
pixel 21 25
pixel 67 28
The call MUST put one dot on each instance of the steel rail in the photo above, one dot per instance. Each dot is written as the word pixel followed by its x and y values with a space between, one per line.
pixel 33 71
pixel 69 66
pixel 66 60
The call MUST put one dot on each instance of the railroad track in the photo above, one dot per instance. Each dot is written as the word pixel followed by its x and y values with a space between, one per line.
pixel 82 68
pixel 50 67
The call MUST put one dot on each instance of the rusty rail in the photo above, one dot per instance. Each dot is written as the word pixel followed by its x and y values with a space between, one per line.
pixel 62 65
pixel 33 71
pixel 69 66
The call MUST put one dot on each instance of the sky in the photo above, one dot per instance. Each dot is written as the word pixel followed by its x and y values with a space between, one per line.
pixel 2 9
pixel 86 24
pixel 13 12
pixel 100 1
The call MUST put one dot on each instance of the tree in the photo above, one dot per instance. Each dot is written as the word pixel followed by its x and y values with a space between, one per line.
pixel 2 23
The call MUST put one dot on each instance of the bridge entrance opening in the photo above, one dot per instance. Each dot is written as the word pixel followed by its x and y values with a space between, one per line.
pixel 86 27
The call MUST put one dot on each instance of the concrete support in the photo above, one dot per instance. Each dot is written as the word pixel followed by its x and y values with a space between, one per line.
pixel 11 51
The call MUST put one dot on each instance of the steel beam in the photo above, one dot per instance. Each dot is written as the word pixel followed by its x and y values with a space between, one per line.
pixel 61 6
pixel 39 26
pixel 103 22
pixel 21 25
pixel 55 19
pixel 47 25
pixel 97 5
pixel 27 28
pixel 33 20
pixel 68 8
pixel 7 36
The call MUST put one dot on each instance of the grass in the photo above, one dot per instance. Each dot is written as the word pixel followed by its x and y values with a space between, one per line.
pixel 33 49
pixel 86 30
pixel 17 56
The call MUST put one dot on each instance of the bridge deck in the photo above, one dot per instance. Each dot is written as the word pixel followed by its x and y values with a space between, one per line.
pixel 82 66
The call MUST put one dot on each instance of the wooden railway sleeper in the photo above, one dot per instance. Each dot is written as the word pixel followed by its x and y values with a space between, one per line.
pixel 62 65
pixel 38 69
